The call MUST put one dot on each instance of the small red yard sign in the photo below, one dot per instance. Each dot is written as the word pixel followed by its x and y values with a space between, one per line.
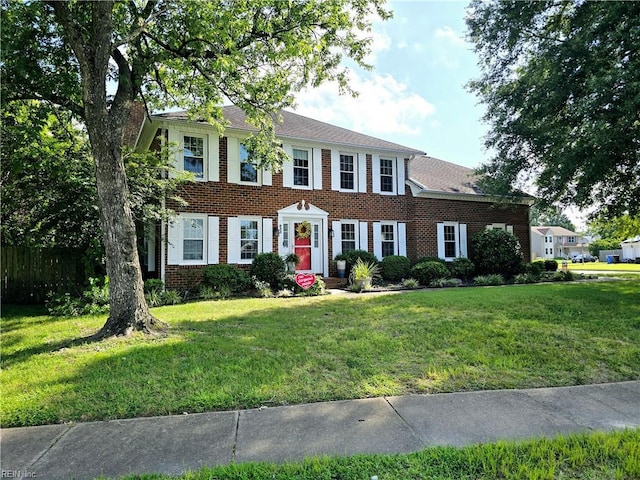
pixel 305 280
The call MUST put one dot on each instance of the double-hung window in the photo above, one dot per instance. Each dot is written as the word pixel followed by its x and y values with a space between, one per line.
pixel 193 155
pixel 348 237
pixel 347 171
pixel 450 241
pixel 386 175
pixel 249 239
pixel 301 167
pixel 192 238
pixel 387 236
pixel 248 170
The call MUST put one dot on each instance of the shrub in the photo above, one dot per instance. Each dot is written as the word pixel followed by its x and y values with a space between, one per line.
pixel 430 259
pixel 497 251
pixel 153 285
pixel 263 288
pixel 394 267
pixel 427 272
pixel 487 280
pixel 535 268
pixel 445 282
pixel 562 276
pixel 270 268
pixel 170 297
pixel 526 278
pixel 410 283
pixel 352 257
pixel 364 270
pixel 462 268
pixel 550 265
pixel 227 278
pixel 208 293
pixel 94 300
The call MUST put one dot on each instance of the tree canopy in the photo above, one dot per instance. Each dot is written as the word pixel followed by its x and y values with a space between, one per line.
pixel 550 217
pixel 48 186
pixel 167 53
pixel 561 82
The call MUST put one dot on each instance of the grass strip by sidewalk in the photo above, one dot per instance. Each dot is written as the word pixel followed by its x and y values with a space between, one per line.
pixel 600 456
pixel 245 353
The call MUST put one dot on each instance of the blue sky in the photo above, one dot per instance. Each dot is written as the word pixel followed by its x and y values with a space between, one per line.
pixel 415 96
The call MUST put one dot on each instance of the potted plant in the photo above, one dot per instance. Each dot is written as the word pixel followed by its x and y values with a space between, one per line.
pixel 292 260
pixel 363 273
pixel 341 265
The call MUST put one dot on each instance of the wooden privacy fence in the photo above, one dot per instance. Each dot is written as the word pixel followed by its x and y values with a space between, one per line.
pixel 28 274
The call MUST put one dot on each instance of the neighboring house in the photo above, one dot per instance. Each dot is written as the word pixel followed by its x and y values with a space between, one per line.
pixel 556 242
pixel 341 191
pixel 631 249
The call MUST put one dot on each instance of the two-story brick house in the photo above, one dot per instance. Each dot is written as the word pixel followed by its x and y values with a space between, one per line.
pixel 341 191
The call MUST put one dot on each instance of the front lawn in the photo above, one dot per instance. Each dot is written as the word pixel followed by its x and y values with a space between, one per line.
pixel 249 352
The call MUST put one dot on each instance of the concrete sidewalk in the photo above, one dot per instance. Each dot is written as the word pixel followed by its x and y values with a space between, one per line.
pixel 177 443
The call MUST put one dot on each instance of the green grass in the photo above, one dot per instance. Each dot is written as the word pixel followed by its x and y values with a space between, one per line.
pixel 249 352
pixel 602 266
pixel 597 456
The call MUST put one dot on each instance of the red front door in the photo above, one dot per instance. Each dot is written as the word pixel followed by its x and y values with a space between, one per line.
pixel 302 244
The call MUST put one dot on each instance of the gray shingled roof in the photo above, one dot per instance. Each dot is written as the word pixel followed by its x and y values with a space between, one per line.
pixel 440 176
pixel 298 127
pixel 554 230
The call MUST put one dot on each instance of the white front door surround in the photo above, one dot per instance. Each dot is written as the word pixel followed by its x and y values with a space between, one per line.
pixel 293 215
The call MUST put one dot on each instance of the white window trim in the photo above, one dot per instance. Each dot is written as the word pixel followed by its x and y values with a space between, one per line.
pixel 176 240
pixel 460 230
pixel 361 234
pixel 211 160
pixel 312 171
pixel 265 237
pixel 354 173
pixel 259 170
pixel 264 175
pixel 377 238
pixel 250 219
pixel 394 175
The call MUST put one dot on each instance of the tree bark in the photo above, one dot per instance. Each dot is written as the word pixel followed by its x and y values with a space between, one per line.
pixel 90 38
pixel 128 308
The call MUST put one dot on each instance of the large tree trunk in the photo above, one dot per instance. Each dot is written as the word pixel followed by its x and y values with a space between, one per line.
pixel 88 27
pixel 128 307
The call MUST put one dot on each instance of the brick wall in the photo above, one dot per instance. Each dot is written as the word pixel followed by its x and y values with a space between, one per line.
pixel 421 215
pixel 427 212
pixel 133 125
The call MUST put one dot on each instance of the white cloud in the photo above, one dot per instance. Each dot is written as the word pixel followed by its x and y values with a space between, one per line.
pixel 449 35
pixel 384 107
pixel 380 42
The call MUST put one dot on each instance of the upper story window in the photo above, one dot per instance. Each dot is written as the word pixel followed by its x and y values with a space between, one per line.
pixel 347 172
pixel 301 167
pixel 348 237
pixel 194 155
pixel 386 175
pixel 249 239
pixel 248 170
